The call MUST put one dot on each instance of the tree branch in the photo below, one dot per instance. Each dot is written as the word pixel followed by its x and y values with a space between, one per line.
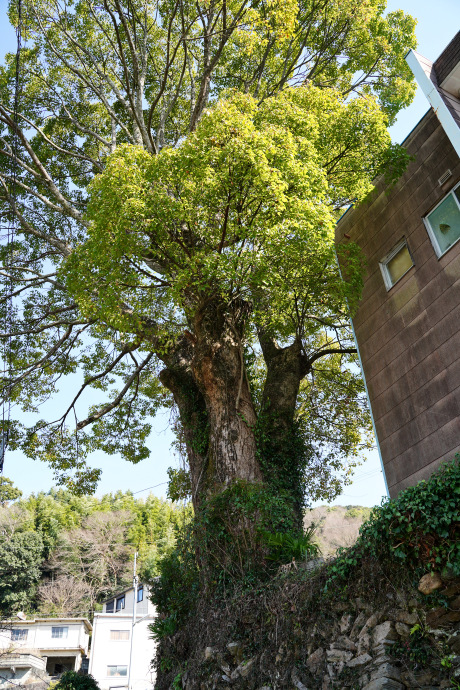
pixel 108 408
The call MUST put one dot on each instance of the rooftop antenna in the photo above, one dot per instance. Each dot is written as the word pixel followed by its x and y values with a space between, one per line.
pixel 7 299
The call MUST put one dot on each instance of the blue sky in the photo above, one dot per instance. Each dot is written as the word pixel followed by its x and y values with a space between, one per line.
pixel 437 23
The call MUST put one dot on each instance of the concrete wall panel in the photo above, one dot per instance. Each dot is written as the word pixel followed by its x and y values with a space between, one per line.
pixel 409 336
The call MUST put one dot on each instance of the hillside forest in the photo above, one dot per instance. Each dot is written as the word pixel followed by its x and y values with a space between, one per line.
pixel 62 554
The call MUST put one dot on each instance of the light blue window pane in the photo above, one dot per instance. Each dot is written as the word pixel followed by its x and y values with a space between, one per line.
pixel 120 603
pixel 117 670
pixel 18 635
pixel 445 223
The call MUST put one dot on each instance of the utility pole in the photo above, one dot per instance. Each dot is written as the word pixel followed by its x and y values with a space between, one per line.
pixel 133 621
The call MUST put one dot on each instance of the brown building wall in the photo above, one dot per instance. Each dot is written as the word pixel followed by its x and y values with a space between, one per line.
pixel 449 58
pixel 409 336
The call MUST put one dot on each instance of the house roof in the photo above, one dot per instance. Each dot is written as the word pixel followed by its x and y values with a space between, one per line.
pixel 440 82
pixel 123 591
pixel 31 621
pixel 448 61
pixel 117 595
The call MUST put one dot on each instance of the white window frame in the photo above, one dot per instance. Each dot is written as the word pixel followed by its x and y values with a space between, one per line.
pixel 386 259
pixel 19 634
pixel 117 635
pixel 140 594
pixel 122 600
pixel 57 629
pixel 429 229
pixel 117 674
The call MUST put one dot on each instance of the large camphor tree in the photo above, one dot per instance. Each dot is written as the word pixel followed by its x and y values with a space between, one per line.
pixel 175 170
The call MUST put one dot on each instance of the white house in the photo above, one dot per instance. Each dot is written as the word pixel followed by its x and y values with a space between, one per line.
pixel 42 645
pixel 22 669
pixel 120 640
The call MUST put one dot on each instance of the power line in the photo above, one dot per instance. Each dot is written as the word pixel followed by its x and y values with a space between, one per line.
pixel 149 487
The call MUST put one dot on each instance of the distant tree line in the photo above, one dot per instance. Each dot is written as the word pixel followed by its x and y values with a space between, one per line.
pixel 62 554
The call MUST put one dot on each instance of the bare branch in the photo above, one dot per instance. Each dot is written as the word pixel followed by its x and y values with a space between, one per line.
pixel 307 362
pixel 38 129
pixel 43 360
pixel 47 179
pixel 63 248
pixel 97 377
pixel 108 408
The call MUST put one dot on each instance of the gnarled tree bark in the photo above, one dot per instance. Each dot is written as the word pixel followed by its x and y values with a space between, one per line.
pixel 218 368
pixel 206 374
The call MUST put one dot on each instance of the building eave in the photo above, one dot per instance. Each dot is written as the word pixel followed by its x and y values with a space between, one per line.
pixel 423 72
pixel 119 616
pixel 62 651
pixel 6 625
pixel 124 592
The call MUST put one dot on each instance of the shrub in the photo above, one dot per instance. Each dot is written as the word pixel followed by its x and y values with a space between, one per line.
pixel 175 591
pixel 285 547
pixel 240 537
pixel 72 680
pixel 420 528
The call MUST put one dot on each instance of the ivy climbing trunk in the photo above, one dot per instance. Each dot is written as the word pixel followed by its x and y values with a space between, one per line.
pixel 281 449
pixel 194 423
pixel 224 438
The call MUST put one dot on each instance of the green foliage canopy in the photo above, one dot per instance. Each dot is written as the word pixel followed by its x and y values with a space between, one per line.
pixel 250 187
pixel 61 554
pixel 20 559
pixel 170 155
pixel 8 492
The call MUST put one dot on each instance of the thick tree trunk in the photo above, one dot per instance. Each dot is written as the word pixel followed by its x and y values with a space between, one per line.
pixel 193 417
pixel 286 367
pixel 178 378
pixel 218 369
pixel 205 373
pixel 281 447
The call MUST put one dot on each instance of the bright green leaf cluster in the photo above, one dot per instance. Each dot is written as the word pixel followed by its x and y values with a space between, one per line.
pixel 245 206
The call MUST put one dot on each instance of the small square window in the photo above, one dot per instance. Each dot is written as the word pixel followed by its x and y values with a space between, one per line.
pixel 443 223
pixel 121 603
pixel 117 670
pixel 396 264
pixel 140 593
pixel 60 632
pixel 109 606
pixel 18 635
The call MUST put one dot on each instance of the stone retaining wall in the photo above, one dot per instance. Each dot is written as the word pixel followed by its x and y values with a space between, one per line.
pixel 365 649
